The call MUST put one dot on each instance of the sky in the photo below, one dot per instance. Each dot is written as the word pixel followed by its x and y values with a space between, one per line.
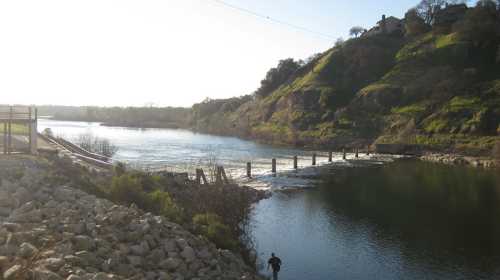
pixel 161 52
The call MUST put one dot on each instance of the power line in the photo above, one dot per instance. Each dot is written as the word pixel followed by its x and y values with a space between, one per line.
pixel 273 20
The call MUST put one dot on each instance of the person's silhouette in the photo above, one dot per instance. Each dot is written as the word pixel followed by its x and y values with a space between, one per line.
pixel 275 263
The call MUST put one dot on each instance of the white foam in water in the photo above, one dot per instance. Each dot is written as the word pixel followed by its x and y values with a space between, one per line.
pixel 184 151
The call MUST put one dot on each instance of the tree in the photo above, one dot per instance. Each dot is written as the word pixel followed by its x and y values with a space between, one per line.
pixel 414 24
pixel 427 9
pixel 277 76
pixel 481 25
pixel 356 31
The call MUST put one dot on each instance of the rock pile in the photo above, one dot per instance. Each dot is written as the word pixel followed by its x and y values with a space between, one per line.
pixel 63 233
pixel 452 159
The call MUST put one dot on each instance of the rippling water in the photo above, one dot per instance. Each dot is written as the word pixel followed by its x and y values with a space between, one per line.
pixel 401 220
pixel 365 219
pixel 182 150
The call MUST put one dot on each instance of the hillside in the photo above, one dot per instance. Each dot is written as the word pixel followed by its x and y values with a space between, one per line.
pixel 437 85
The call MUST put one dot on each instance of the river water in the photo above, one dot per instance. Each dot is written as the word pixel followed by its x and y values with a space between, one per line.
pixel 371 218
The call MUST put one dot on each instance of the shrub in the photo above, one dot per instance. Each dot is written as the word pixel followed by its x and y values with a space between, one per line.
pixel 120 169
pixel 161 203
pixel 127 189
pixel 211 226
pixel 414 24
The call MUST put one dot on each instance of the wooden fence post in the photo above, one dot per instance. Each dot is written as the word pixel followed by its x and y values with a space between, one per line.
pixel 5 138
pixel 218 176
pixel 249 169
pixel 295 163
pixel 203 177
pixel 330 156
pixel 273 168
pixel 34 131
pixel 367 150
pixel 200 175
pixel 314 159
pixel 9 145
pixel 357 153
pixel 29 129
pixel 223 173
pixel 344 155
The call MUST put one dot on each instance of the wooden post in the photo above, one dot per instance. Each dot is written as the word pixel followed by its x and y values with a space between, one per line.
pixel 273 168
pixel 34 130
pixel 30 134
pixel 5 138
pixel 200 175
pixel 330 156
pixel 367 150
pixel 295 163
pixel 203 177
pixel 357 153
pixel 218 176
pixel 344 155
pixel 314 159
pixel 249 169
pixel 223 173
pixel 9 145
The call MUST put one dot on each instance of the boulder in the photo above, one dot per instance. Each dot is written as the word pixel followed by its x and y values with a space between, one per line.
pixel 13 273
pixel 26 250
pixel 53 264
pixel 83 243
pixel 188 254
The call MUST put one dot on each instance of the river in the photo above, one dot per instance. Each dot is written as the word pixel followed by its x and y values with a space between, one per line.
pixel 371 218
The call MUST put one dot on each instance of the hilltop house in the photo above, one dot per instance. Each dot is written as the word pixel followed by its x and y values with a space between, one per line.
pixel 390 25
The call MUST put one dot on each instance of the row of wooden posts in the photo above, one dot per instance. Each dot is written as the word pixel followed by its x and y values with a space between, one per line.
pixel 221 173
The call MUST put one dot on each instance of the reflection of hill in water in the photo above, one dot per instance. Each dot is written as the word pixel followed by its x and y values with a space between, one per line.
pixel 440 218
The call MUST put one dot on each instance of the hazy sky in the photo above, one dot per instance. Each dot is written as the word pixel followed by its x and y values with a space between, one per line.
pixel 166 52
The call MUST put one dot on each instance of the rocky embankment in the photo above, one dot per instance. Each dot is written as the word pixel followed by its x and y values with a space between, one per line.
pixel 453 159
pixel 57 232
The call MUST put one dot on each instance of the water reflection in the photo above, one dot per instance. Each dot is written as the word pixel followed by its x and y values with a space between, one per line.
pixel 405 220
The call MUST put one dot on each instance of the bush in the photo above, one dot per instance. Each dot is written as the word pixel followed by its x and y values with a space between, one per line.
pixel 414 24
pixel 127 189
pixel 480 25
pixel 211 226
pixel 161 203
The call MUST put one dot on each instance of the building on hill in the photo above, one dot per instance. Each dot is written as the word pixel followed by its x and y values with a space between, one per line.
pixel 388 25
pixel 446 17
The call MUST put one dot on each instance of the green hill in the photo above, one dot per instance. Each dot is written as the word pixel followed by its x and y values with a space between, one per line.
pixel 436 85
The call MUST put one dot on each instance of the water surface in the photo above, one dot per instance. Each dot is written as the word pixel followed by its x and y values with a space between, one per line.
pixel 403 220
pixel 358 219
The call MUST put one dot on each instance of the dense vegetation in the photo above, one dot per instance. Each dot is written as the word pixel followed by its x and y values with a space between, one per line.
pixel 436 83
pixel 144 117
pixel 218 212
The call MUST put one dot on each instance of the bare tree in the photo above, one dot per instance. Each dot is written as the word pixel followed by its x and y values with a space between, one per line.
pixel 356 31
pixel 427 9
pixel 94 144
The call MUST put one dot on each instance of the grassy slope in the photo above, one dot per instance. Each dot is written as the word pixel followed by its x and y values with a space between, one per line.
pixel 432 90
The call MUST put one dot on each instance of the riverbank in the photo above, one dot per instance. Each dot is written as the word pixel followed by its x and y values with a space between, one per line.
pixel 47 230
pixel 455 159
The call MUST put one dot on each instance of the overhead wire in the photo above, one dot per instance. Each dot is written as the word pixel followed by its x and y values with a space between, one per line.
pixel 273 20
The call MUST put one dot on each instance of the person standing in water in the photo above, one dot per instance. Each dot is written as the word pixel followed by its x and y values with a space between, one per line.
pixel 275 263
